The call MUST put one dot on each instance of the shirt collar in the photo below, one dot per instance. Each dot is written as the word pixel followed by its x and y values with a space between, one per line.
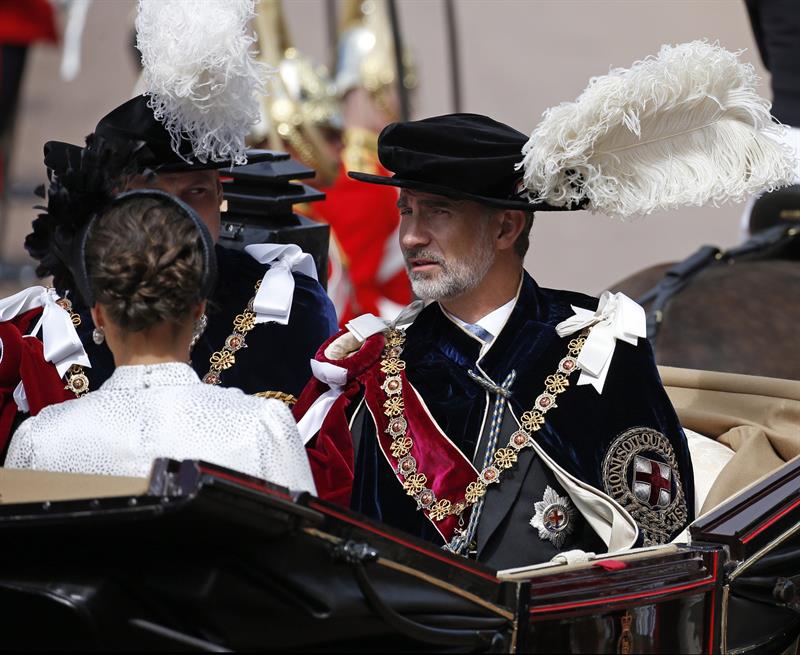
pixel 493 322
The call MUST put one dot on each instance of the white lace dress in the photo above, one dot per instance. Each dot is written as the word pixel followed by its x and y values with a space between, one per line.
pixel 163 410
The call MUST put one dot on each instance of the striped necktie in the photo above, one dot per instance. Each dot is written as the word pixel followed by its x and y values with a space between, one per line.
pixel 484 335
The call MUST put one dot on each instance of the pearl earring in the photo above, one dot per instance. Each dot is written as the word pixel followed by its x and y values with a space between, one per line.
pixel 98 335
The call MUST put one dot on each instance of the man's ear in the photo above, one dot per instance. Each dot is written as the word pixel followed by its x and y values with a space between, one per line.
pixel 512 222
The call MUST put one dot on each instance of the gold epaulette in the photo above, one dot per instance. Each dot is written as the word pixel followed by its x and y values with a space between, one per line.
pixel 360 150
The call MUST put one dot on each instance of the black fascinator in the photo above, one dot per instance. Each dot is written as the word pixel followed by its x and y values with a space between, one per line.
pixel 80 184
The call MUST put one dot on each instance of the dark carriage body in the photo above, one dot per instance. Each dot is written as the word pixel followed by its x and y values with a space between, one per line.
pixel 733 589
pixel 201 558
pixel 210 559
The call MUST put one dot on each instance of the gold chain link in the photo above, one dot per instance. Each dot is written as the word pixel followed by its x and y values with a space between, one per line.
pixel 504 458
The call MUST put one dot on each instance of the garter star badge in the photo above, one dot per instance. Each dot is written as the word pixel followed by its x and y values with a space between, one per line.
pixel 640 472
pixel 554 518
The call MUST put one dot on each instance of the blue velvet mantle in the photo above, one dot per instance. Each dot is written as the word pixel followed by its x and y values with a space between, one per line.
pixel 578 432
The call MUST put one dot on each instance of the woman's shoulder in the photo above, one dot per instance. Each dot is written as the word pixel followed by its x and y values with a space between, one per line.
pixel 46 428
pixel 74 409
pixel 239 402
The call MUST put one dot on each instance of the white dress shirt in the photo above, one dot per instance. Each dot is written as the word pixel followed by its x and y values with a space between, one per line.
pixel 164 410
pixel 490 325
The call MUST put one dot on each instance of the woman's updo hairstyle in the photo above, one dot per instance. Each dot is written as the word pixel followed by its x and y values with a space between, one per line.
pixel 148 259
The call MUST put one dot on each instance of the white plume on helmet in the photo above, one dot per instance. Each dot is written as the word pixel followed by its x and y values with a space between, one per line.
pixel 685 127
pixel 201 74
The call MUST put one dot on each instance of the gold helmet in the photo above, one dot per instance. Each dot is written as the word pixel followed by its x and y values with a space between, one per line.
pixel 302 104
pixel 366 56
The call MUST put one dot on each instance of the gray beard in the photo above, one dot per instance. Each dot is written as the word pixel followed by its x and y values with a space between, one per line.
pixel 455 277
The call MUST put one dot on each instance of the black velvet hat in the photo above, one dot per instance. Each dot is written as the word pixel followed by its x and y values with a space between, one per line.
pixel 81 180
pixel 461 156
pixel 134 137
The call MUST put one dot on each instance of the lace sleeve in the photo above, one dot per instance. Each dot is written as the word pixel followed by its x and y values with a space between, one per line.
pixel 283 457
pixel 20 451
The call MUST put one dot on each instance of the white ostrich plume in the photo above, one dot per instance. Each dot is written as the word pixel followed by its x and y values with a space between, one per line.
pixel 200 72
pixel 685 127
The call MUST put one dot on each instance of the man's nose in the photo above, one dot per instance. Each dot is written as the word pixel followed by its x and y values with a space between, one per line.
pixel 412 235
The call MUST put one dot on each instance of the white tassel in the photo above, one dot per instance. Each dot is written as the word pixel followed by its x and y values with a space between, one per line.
pixel 200 72
pixel 683 128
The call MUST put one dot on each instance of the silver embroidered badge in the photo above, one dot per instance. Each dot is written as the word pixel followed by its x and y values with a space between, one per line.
pixel 640 472
pixel 554 518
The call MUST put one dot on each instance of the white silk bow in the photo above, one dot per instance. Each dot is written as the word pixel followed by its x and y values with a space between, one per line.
pixel 62 345
pixel 336 378
pixel 616 317
pixel 273 301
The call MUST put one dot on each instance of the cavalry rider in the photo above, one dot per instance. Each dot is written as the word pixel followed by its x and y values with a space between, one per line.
pixel 302 114
pixel 364 218
pixel 505 421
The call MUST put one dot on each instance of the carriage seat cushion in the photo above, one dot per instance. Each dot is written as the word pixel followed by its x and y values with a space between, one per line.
pixel 709 457
pixel 756 417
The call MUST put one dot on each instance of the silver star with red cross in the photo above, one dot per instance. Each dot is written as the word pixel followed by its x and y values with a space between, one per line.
pixel 554 518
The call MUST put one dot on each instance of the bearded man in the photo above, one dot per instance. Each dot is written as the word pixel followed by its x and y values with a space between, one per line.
pixel 467 428
pixel 506 421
